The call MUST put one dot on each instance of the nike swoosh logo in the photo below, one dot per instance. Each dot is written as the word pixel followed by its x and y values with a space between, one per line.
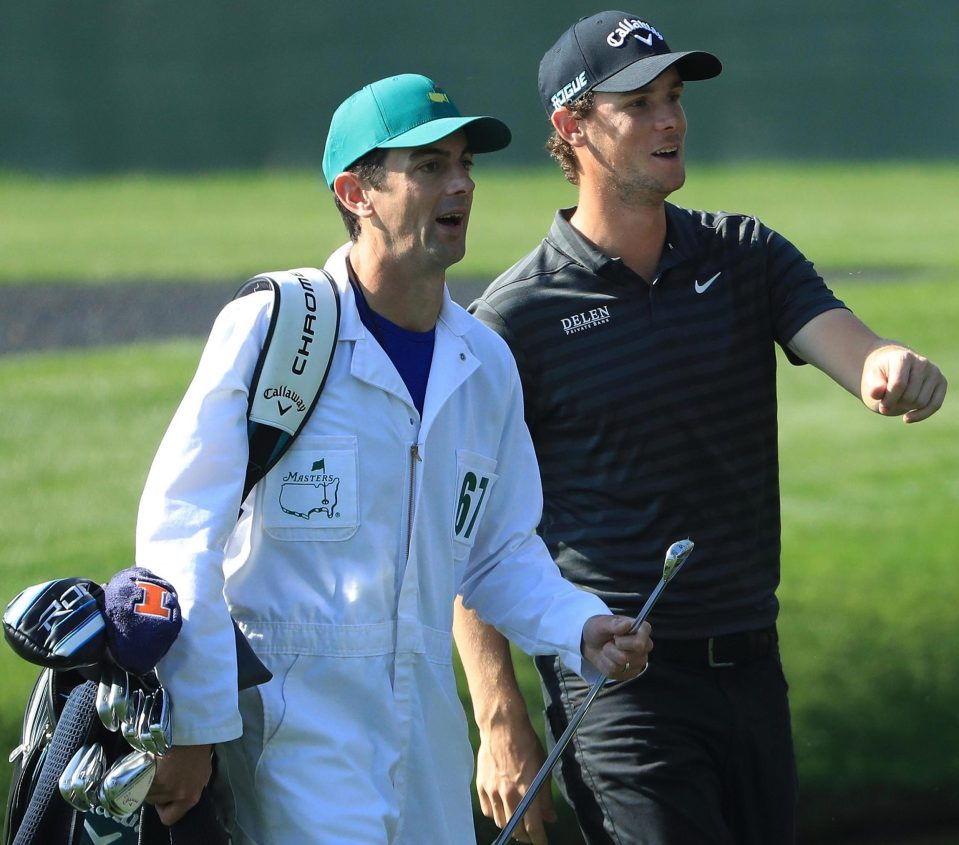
pixel 702 286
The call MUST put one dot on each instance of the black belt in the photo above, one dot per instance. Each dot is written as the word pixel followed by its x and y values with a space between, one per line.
pixel 718 652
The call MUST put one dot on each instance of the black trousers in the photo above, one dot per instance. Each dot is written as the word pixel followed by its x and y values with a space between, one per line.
pixel 686 754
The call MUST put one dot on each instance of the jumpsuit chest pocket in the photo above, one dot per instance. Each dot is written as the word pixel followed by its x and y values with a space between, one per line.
pixel 475 478
pixel 313 492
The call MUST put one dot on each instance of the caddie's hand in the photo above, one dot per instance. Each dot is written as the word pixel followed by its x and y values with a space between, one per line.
pixel 611 648
pixel 180 777
pixel 896 380
pixel 509 757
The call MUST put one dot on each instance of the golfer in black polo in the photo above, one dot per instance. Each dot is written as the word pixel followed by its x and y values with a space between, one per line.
pixel 645 336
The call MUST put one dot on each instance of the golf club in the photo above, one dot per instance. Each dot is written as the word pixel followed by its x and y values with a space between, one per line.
pixel 81 779
pixel 67 775
pixel 154 726
pixel 129 727
pixel 113 695
pixel 675 557
pixel 103 701
pixel 161 723
pixel 127 783
pixel 119 696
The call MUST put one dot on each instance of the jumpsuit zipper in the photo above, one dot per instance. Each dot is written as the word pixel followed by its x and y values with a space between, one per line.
pixel 414 457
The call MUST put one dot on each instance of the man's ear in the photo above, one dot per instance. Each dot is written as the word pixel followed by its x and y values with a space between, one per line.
pixel 567 126
pixel 353 194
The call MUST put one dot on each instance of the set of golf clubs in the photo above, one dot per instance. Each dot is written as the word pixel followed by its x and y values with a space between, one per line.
pixel 139 710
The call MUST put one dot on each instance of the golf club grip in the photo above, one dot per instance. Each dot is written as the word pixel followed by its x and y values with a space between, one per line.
pixel 73 728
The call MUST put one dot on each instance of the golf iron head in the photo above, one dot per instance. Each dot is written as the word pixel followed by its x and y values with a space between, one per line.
pixel 676 556
pixel 120 695
pixel 126 784
pixel 129 727
pixel 67 775
pixel 154 723
pixel 113 697
pixel 80 781
pixel 103 701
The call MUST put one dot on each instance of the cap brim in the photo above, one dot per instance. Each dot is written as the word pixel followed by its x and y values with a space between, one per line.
pixel 692 65
pixel 484 134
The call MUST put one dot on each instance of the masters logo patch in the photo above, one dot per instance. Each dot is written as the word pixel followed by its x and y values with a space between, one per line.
pixel 314 492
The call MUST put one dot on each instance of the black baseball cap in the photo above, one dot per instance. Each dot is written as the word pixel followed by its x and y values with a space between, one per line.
pixel 613 51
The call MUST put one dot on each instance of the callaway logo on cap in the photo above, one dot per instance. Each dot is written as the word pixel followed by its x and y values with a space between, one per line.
pixel 613 51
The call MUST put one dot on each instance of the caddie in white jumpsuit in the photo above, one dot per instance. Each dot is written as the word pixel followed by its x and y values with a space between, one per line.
pixel 344 565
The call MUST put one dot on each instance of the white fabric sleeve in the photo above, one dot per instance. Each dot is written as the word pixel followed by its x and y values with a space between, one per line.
pixel 188 510
pixel 511 580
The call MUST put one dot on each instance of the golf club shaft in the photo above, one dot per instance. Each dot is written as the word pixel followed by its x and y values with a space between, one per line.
pixel 563 741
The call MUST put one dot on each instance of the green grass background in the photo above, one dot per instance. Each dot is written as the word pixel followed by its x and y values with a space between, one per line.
pixel 869 626
pixel 858 217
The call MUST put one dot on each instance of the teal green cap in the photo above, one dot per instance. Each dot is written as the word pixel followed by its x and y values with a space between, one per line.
pixel 408 110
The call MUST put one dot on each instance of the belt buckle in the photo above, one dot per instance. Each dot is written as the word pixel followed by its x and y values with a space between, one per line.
pixel 713 663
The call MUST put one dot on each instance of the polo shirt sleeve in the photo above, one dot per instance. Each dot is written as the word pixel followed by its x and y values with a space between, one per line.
pixel 797 293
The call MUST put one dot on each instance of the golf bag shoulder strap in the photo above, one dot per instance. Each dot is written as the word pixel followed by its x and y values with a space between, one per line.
pixel 287 381
pixel 293 364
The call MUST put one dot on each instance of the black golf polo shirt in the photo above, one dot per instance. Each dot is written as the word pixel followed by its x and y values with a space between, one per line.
pixel 653 410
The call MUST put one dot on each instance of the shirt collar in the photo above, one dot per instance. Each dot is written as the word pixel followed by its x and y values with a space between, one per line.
pixel 681 240
pixel 452 316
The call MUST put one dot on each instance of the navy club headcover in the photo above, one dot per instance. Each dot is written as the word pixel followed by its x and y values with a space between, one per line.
pixel 143 618
pixel 58 624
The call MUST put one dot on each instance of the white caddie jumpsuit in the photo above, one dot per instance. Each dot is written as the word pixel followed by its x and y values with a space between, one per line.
pixel 342 573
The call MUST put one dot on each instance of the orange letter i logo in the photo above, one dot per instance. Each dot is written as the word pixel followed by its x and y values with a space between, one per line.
pixel 153 600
